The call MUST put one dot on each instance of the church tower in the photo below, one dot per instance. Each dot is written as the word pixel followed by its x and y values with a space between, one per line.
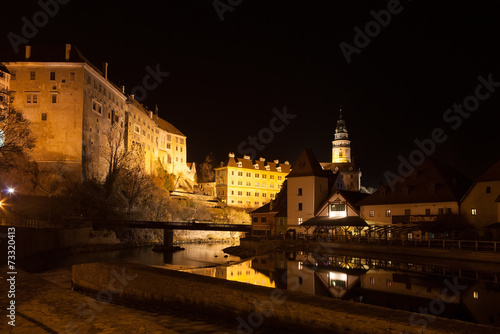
pixel 341 146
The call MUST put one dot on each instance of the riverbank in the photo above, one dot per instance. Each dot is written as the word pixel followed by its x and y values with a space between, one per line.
pixel 253 247
pixel 253 308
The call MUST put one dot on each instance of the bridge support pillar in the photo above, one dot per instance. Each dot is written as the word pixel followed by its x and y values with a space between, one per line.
pixel 168 238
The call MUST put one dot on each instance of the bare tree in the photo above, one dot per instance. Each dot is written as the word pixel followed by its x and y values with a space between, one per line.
pixel 206 169
pixel 16 139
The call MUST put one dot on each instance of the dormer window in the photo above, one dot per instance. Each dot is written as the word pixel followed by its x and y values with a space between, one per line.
pixel 268 167
pixel 278 169
pixel 256 166
pixel 239 164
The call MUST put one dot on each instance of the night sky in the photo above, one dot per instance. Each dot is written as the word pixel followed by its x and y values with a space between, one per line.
pixel 227 76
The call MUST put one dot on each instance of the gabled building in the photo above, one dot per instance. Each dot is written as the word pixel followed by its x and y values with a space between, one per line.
pixel 311 197
pixel 249 183
pixel 270 219
pixel 481 204
pixel 431 194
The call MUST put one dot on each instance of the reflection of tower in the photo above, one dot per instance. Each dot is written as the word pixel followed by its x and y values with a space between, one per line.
pixel 341 151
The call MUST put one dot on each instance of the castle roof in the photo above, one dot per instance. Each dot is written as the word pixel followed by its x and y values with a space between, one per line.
pixel 260 164
pixel 433 181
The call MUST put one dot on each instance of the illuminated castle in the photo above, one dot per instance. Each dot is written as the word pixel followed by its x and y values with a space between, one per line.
pixel 341 157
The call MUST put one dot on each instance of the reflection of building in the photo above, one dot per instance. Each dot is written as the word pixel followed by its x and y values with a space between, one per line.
pixel 341 158
pixel 481 204
pixel 430 194
pixel 240 272
pixel 73 107
pixel 249 183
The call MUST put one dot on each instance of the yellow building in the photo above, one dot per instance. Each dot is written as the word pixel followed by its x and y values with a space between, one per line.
pixel 4 87
pixel 481 204
pixel 429 197
pixel 74 108
pixel 249 183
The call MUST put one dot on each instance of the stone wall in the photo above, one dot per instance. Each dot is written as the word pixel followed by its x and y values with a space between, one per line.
pixel 251 307
pixel 30 241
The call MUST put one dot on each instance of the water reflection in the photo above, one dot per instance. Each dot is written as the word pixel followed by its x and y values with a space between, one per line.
pixel 454 292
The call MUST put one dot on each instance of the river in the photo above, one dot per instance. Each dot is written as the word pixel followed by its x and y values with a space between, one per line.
pixel 463 291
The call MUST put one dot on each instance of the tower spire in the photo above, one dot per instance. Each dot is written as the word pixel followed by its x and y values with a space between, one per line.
pixel 341 150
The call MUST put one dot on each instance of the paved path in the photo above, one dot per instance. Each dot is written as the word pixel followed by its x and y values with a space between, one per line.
pixel 46 307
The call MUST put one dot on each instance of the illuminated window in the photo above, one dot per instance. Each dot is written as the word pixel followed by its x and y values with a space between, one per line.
pixel 372 213
pixel 372 280
pixel 387 213
pixel 300 221
pixel 280 178
pixel 476 295
pixel 473 212
pixel 388 282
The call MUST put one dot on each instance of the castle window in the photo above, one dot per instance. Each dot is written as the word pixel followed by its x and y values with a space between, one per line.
pixel 52 76
pixel 372 213
pixel 387 213
pixel 44 116
pixel 473 212
pixel 300 207
pixel 32 75
pixel 32 98
pixel 299 193
pixel 54 98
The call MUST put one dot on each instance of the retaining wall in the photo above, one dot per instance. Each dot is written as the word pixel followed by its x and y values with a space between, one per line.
pixel 250 307
pixel 31 241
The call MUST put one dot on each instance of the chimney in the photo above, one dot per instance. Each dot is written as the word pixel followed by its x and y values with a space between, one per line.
pixel 105 70
pixel 123 89
pixel 156 110
pixel 132 96
pixel 28 52
pixel 68 51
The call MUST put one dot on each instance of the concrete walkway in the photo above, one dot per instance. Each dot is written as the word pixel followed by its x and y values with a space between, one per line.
pixel 44 307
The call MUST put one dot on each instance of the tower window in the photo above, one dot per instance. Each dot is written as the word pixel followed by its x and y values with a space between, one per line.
pixel 488 190
pixel 473 212
pixel 300 206
pixel 52 76
pixel 299 192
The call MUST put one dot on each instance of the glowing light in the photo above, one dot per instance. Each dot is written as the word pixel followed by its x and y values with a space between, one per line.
pixel 10 190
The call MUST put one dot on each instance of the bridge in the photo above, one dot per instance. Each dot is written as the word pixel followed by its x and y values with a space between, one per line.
pixel 169 227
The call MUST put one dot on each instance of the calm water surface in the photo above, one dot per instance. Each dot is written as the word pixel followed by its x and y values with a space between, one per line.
pixel 465 291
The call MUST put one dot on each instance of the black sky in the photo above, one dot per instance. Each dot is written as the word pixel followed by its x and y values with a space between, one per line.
pixel 226 77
